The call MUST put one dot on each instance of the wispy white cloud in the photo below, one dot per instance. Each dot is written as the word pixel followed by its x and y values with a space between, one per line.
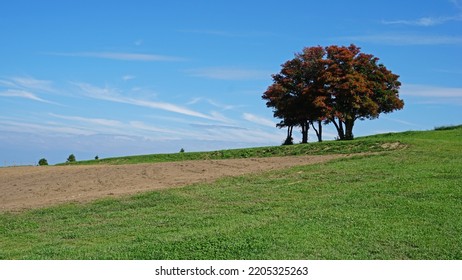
pixel 258 120
pixel 457 3
pixel 114 95
pixel 132 128
pixel 227 33
pixel 448 71
pixel 28 83
pixel 7 84
pixel 211 102
pixel 42 128
pixel 249 136
pixel 209 32
pixel 143 126
pixel 222 73
pixel 23 94
pixel 83 126
pixel 400 121
pixel 236 134
pixel 121 56
pixel 27 87
pixel 424 21
pixel 210 131
pixel 430 21
pixel 128 77
pixel 163 106
pixel 219 117
pixel 406 39
pixel 432 94
pixel 430 91
pixel 96 121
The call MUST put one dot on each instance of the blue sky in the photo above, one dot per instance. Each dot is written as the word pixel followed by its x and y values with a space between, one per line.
pixel 113 78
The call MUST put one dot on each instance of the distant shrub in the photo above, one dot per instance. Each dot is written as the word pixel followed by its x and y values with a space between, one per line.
pixel 43 161
pixel 71 158
pixel 182 150
pixel 96 157
pixel 449 127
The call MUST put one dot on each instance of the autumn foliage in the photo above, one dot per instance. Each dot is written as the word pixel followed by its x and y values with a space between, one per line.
pixel 331 85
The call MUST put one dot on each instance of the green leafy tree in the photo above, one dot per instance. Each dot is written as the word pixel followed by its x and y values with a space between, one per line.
pixel 71 158
pixel 42 162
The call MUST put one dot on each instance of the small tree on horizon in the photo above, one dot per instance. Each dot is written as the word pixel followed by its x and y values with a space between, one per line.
pixel 42 162
pixel 71 158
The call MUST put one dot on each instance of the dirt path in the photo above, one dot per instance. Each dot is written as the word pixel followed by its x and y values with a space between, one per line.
pixel 33 187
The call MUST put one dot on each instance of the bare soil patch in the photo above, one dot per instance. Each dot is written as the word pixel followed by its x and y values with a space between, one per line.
pixel 393 146
pixel 34 187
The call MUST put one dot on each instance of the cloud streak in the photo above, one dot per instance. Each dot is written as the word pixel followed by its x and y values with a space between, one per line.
pixel 26 87
pixel 95 121
pixel 429 21
pixel 223 73
pixel 258 120
pixel 24 94
pixel 432 94
pixel 120 56
pixel 128 77
pixel 424 21
pixel 28 84
pixel 114 96
pixel 100 126
pixel 223 33
pixel 214 103
pixel 406 39
pixel 431 91
pixel 42 129
pixel 400 121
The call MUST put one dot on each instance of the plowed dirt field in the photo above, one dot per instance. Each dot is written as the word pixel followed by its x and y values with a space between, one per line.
pixel 33 186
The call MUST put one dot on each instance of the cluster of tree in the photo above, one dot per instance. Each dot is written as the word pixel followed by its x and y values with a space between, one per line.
pixel 331 84
pixel 70 159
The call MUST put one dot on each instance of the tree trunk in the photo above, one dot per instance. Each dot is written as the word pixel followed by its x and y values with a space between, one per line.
pixel 349 123
pixel 318 131
pixel 305 126
pixel 339 127
pixel 289 139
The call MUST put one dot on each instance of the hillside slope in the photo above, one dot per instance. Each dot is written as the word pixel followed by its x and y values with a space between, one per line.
pixel 402 204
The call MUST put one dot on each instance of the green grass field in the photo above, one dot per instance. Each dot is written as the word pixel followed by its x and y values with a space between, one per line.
pixel 332 147
pixel 399 204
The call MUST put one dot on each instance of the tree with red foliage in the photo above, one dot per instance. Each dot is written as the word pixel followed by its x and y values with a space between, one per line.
pixel 332 85
pixel 295 94
pixel 358 88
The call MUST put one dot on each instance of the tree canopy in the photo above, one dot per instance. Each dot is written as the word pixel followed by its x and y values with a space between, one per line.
pixel 332 85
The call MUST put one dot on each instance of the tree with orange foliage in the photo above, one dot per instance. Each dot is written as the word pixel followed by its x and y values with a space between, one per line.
pixel 358 88
pixel 334 84
pixel 296 94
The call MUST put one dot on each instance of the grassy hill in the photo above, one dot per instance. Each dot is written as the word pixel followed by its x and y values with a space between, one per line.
pixel 360 145
pixel 397 204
